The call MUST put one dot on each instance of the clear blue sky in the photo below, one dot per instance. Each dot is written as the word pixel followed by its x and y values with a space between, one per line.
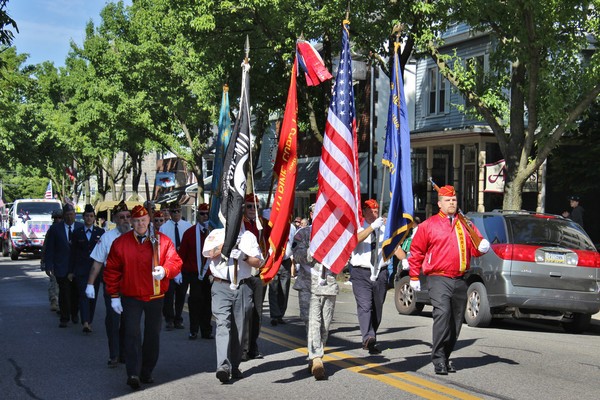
pixel 46 27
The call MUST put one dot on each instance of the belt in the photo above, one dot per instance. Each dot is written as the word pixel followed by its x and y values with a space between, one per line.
pixel 215 279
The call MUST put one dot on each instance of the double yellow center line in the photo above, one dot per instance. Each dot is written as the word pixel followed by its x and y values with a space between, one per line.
pixel 400 380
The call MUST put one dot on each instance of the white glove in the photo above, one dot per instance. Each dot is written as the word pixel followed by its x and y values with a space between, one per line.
pixel 235 254
pixel 115 303
pixel 377 223
pixel 90 292
pixel 158 273
pixel 405 266
pixel 484 246
pixel 178 279
pixel 415 285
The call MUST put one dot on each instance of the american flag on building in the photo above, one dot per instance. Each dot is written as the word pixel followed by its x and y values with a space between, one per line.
pixel 337 211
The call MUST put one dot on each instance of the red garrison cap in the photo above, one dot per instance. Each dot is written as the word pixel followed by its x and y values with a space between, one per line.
pixel 138 211
pixel 158 214
pixel 372 204
pixel 447 191
pixel 251 198
pixel 203 207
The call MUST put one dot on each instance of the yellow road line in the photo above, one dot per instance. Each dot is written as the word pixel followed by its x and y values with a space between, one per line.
pixel 401 380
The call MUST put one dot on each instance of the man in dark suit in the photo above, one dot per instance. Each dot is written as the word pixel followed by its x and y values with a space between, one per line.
pixel 84 241
pixel 56 261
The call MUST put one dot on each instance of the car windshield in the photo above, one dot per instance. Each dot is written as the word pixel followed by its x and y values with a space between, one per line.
pixel 37 208
pixel 549 231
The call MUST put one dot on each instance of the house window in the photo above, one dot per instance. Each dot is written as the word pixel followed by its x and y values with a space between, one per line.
pixel 437 92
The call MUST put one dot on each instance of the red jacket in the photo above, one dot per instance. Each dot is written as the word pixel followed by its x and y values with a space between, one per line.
pixel 129 267
pixel 187 250
pixel 441 249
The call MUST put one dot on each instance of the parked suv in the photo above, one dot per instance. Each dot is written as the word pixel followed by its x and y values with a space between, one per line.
pixel 539 266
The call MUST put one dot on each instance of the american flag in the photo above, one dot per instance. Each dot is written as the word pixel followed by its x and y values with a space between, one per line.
pixel 336 215
pixel 48 194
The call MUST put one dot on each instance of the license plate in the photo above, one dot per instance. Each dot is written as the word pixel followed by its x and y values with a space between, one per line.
pixel 554 258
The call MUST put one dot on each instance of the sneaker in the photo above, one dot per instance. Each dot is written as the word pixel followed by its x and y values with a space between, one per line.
pixel 54 306
pixel 318 370
pixel 348 283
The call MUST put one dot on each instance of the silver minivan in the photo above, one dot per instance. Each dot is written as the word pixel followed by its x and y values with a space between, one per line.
pixel 540 266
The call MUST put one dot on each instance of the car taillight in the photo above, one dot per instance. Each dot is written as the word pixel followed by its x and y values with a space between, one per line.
pixel 515 252
pixel 588 258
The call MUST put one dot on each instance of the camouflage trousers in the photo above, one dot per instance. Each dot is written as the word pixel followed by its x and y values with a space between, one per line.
pixel 320 315
pixel 52 290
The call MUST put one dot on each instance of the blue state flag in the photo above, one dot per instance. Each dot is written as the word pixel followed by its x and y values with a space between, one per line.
pixel 396 157
pixel 220 147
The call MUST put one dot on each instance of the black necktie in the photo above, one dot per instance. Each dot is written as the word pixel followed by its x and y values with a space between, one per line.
pixel 177 241
pixel 373 248
pixel 451 220
pixel 141 238
pixel 70 230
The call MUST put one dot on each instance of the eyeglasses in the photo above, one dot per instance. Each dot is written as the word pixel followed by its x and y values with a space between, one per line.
pixel 202 213
pixel 128 216
pixel 250 206
pixel 159 220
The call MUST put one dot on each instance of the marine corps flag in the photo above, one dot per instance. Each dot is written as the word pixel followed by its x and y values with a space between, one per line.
pixel 220 148
pixel 396 156
pixel 235 169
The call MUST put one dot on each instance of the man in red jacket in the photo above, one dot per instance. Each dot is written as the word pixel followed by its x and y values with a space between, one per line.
pixel 443 249
pixel 138 286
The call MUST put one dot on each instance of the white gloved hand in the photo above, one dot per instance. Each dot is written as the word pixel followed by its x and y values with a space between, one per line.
pixel 415 285
pixel 377 223
pixel 90 291
pixel 115 303
pixel 235 254
pixel 484 246
pixel 178 279
pixel 405 266
pixel 158 273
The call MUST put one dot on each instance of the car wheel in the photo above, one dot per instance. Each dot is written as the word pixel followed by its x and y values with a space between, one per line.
pixel 478 313
pixel 14 254
pixel 579 323
pixel 4 249
pixel 406 298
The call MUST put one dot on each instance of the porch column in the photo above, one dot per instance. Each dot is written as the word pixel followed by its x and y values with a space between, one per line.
pixel 428 206
pixel 481 171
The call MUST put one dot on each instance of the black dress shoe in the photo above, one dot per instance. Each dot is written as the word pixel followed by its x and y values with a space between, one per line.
pixel 170 326
pixel 237 374
pixel 193 336
pixel 274 322
pixel 113 363
pixel 134 382
pixel 440 368
pixel 257 355
pixel 146 379
pixel 207 336
pixel 450 367
pixel 179 325
pixel 223 375
pixel 75 320
pixel 62 324
pixel 281 321
pixel 245 357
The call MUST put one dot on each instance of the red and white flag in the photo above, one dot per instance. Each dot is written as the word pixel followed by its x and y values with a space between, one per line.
pixel 337 212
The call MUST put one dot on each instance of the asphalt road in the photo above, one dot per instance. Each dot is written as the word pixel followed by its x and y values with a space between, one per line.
pixel 511 360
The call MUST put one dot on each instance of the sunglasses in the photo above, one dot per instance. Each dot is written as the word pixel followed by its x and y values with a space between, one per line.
pixel 203 213
pixel 250 206
pixel 175 211
pixel 159 220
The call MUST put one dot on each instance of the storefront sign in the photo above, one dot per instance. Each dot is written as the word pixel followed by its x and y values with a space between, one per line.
pixel 495 174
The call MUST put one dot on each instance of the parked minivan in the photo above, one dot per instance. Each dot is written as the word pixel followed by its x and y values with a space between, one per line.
pixel 540 266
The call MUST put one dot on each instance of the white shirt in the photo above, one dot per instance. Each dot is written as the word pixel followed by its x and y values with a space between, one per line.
pixel 248 245
pixel 361 255
pixel 168 228
pixel 100 252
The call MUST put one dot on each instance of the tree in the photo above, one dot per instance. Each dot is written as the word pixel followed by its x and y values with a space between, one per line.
pixel 6 35
pixel 544 73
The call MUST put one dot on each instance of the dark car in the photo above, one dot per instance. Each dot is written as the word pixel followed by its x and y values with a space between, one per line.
pixel 539 266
